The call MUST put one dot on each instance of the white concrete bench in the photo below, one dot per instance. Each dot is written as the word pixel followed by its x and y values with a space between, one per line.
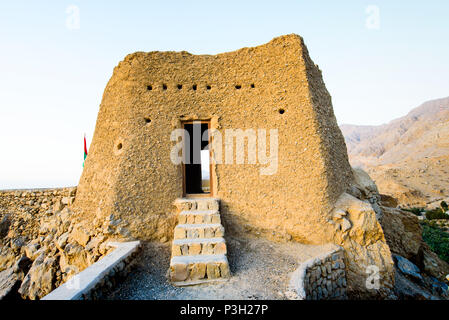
pixel 81 284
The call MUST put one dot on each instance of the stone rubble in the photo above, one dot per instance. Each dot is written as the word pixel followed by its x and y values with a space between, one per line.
pixel 38 225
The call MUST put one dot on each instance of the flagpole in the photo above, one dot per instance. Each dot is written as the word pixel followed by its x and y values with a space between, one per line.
pixel 85 149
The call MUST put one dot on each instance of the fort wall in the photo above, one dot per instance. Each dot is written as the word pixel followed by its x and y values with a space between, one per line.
pixel 129 173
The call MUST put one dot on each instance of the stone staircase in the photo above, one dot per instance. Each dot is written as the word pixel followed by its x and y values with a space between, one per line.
pixel 198 249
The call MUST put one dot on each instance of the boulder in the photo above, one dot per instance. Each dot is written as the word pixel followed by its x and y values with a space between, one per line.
pixel 365 246
pixel 408 268
pixel 17 243
pixel 5 223
pixel 74 257
pixel 11 279
pixel 94 244
pixel 439 287
pixel 58 206
pixel 22 265
pixel 65 201
pixel 404 237
pixel 64 226
pixel 47 227
pixel 72 191
pixel 7 258
pixel 365 184
pixel 406 289
pixel 80 235
pixel 62 241
pixel 40 279
pixel 402 232
pixel 9 284
pixel 388 201
pixel 65 214
pixel 431 264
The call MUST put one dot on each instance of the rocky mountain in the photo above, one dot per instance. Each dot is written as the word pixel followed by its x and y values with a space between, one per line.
pixel 407 157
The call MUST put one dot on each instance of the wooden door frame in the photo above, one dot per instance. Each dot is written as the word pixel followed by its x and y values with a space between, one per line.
pixel 211 189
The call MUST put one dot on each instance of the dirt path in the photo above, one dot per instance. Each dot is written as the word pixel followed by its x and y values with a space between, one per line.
pixel 260 270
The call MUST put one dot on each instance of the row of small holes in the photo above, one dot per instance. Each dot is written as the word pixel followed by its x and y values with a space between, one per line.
pixel 194 87
pixel 148 120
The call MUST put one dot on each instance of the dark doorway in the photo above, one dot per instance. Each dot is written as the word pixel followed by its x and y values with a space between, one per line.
pixel 197 162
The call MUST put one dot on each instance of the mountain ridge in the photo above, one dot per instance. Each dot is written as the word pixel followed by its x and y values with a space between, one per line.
pixel 408 156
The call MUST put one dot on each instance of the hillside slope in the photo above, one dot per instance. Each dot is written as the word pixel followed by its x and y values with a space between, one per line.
pixel 407 157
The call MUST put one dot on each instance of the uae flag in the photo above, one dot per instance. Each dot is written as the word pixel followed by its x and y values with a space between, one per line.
pixel 85 149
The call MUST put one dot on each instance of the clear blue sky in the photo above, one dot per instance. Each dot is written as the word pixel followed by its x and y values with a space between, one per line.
pixel 52 75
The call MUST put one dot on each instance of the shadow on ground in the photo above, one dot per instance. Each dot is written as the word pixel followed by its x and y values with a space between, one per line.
pixel 260 269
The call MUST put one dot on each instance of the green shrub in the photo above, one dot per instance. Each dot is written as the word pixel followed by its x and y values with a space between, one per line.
pixel 436 214
pixel 416 211
pixel 444 206
pixel 437 239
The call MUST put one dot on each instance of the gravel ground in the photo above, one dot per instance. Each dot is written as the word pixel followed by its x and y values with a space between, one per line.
pixel 260 269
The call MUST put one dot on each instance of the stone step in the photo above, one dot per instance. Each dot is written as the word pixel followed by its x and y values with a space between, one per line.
pixel 187 204
pixel 200 246
pixel 198 249
pixel 199 217
pixel 195 231
pixel 186 270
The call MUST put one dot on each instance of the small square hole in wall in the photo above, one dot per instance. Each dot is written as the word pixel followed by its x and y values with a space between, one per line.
pixel 164 87
pixel 252 85
pixel 179 86
pixel 118 147
pixel 281 111
pixel 208 87
pixel 149 87
pixel 194 87
pixel 238 87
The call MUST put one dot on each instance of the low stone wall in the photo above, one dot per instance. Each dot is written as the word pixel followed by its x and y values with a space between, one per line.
pixel 35 201
pixel 92 282
pixel 322 277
